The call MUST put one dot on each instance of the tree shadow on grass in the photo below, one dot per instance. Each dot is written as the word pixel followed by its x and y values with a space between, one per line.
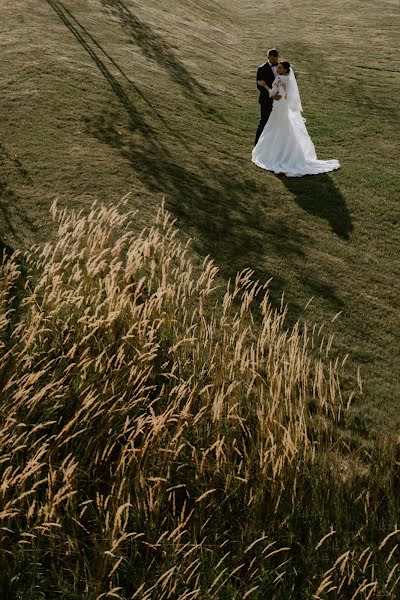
pixel 85 38
pixel 137 122
pixel 318 195
pixel 151 44
pixel 99 56
pixel 157 49
pixel 217 206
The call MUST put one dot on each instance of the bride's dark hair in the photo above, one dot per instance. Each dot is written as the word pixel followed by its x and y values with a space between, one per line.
pixel 286 65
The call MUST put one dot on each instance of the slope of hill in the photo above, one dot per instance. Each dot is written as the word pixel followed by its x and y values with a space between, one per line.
pixel 105 97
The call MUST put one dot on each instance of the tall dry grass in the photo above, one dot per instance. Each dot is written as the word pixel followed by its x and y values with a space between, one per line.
pixel 164 438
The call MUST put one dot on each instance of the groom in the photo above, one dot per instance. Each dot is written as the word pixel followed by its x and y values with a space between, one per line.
pixel 266 74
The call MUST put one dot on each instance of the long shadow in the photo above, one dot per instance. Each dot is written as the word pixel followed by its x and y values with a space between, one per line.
pixel 154 46
pixel 216 207
pixel 152 148
pixel 318 195
pixel 82 29
pixel 137 122
pixel 157 49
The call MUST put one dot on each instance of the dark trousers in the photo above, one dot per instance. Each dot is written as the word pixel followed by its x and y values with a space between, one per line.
pixel 265 108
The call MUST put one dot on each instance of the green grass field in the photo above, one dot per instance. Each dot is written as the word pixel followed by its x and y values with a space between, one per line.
pixel 157 99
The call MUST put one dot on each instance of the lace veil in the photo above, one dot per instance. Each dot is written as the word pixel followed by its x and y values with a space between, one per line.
pixel 292 94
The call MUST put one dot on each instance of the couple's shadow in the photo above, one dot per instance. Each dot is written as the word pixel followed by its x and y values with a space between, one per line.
pixel 318 195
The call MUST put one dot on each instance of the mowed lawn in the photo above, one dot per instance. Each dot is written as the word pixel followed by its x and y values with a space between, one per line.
pixel 157 98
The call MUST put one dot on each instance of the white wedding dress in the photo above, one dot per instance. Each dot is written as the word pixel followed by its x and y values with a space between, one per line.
pixel 285 145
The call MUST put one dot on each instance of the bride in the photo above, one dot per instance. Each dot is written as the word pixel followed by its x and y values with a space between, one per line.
pixel 284 145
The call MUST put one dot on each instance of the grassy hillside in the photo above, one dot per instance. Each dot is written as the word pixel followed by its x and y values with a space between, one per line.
pixel 157 98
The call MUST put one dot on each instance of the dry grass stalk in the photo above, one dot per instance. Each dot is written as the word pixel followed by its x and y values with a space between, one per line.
pixel 138 413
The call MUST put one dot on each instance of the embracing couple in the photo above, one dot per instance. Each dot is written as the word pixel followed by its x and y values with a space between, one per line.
pixel 282 142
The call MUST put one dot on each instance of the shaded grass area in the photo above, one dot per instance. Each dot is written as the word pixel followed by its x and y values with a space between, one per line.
pixel 159 99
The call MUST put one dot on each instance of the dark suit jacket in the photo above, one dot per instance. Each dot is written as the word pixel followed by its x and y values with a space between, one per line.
pixel 265 73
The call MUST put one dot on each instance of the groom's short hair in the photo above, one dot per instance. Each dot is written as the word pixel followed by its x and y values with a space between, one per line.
pixel 273 52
